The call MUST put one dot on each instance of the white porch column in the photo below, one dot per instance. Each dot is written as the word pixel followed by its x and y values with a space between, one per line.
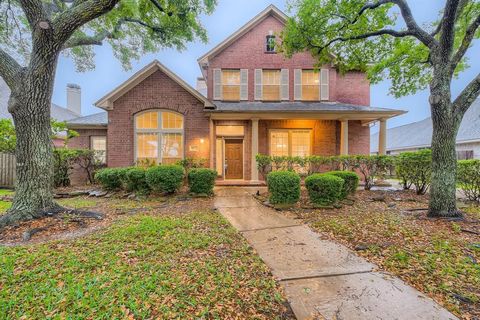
pixel 382 137
pixel 344 138
pixel 254 149
pixel 212 143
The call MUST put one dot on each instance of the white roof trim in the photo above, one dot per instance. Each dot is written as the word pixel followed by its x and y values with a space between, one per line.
pixel 271 9
pixel 107 101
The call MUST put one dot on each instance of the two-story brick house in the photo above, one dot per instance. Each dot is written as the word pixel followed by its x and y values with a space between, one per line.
pixel 257 101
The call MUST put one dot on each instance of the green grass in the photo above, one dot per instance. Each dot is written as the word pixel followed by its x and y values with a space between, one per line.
pixel 77 203
pixel 6 192
pixel 194 266
pixel 4 206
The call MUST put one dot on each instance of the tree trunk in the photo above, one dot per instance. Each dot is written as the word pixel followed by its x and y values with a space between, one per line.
pixel 444 160
pixel 29 105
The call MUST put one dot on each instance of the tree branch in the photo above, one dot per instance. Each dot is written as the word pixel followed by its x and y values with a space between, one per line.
pixel 467 40
pixel 394 33
pixel 33 10
pixel 467 96
pixel 9 69
pixel 447 37
pixel 412 25
pixel 79 14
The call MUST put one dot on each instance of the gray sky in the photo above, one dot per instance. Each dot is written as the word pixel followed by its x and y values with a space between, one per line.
pixel 227 18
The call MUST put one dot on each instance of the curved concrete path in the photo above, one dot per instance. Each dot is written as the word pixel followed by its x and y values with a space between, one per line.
pixel 322 279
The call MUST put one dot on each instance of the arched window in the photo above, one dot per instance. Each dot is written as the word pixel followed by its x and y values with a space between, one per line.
pixel 159 136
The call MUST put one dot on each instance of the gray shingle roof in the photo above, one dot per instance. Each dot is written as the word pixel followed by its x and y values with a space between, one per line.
pixel 96 119
pixel 419 134
pixel 57 112
pixel 293 107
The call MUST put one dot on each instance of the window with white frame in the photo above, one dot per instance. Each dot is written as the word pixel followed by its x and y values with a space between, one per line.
pixel 159 136
pixel 295 143
pixel 99 146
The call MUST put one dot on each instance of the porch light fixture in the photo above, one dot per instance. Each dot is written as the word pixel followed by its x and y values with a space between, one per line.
pixel 202 141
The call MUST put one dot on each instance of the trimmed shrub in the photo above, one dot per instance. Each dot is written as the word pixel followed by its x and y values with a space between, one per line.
pixel 468 178
pixel 135 180
pixel 415 168
pixel 110 178
pixel 371 167
pixel 284 187
pixel 165 178
pixel 201 180
pixel 350 179
pixel 324 189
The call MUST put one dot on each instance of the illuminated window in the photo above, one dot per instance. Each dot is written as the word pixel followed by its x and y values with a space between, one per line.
pixel 99 146
pixel 231 85
pixel 271 85
pixel 290 143
pixel 160 143
pixel 310 85
pixel 279 143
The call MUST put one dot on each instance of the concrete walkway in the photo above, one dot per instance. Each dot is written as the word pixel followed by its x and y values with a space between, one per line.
pixel 322 279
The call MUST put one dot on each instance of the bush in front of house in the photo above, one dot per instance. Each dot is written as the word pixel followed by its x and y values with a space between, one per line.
pixel 415 168
pixel 165 178
pixel 468 178
pixel 110 178
pixel 350 179
pixel 283 187
pixel 201 180
pixel 324 189
pixel 135 180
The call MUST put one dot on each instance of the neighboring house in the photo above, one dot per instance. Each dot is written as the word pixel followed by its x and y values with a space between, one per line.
pixel 254 101
pixel 418 135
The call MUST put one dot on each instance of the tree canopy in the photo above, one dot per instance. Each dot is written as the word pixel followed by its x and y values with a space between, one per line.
pixel 369 36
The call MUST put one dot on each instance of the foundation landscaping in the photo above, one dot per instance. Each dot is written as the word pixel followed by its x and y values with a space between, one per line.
pixel 388 225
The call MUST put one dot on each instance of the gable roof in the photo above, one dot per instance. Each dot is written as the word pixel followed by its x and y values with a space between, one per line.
pixel 270 10
pixel 419 134
pixel 107 101
pixel 56 112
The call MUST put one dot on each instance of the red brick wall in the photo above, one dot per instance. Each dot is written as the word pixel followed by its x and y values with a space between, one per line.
pixel 78 176
pixel 248 52
pixel 157 91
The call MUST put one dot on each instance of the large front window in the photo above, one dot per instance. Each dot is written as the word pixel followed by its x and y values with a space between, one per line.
pixel 159 136
pixel 271 85
pixel 295 143
pixel 231 85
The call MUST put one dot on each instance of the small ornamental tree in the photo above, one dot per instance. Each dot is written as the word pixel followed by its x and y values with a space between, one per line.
pixel 33 34
pixel 365 35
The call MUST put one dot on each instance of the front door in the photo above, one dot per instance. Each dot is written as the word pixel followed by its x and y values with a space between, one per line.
pixel 234 159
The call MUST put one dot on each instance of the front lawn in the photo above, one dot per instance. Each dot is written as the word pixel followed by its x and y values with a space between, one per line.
pixel 438 257
pixel 147 265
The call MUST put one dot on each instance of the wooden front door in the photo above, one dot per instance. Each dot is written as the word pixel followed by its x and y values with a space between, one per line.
pixel 233 159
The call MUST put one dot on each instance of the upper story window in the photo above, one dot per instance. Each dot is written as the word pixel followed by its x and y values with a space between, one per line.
pixel 270 43
pixel 310 85
pixel 271 85
pixel 159 136
pixel 231 85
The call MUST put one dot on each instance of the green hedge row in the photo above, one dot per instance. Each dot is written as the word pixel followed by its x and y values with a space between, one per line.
pixel 160 178
pixel 323 189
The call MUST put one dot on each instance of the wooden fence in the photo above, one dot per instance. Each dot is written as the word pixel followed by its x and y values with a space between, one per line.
pixel 7 170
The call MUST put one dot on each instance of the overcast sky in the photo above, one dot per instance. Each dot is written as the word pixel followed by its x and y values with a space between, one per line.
pixel 227 18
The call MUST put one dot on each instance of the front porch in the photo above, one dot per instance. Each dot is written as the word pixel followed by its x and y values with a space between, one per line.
pixel 239 136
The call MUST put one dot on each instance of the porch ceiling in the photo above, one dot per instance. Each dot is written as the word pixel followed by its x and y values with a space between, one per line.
pixel 299 110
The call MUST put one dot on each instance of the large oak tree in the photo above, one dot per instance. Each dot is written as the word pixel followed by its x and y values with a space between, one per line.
pixel 365 35
pixel 33 33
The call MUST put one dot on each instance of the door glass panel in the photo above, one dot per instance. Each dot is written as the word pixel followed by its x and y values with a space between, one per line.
pixel 300 143
pixel 279 143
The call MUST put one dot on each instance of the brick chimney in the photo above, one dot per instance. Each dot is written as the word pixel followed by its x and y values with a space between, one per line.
pixel 74 98
pixel 201 86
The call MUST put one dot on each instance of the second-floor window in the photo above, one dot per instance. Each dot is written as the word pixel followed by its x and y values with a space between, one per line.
pixel 310 85
pixel 231 85
pixel 271 85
